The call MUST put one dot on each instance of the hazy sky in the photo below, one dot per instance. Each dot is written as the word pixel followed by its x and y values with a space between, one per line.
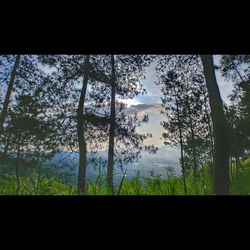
pixel 151 103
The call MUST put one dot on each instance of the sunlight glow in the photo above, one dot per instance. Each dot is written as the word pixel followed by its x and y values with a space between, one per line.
pixel 130 102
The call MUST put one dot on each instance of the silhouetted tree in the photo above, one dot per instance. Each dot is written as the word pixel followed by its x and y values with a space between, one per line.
pixel 193 65
pixel 110 169
pixel 126 73
pixel 8 93
pixel 236 68
pixel 221 171
pixel 24 78
pixel 173 110
pixel 186 109
pixel 28 130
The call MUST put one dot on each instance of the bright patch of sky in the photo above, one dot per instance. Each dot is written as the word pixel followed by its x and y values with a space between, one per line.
pixel 130 102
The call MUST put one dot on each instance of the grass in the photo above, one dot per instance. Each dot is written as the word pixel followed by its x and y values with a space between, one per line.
pixel 33 185
pixel 240 183
pixel 39 184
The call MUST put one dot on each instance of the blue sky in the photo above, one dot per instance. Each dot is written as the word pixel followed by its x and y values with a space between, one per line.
pixel 151 103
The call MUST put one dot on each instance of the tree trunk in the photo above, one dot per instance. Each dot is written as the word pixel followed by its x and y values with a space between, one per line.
pixel 203 179
pixel 8 93
pixel 111 130
pixel 210 131
pixel 231 167
pixel 238 164
pixel 221 171
pixel 17 169
pixel 6 149
pixel 183 165
pixel 194 162
pixel 181 144
pixel 193 152
pixel 80 131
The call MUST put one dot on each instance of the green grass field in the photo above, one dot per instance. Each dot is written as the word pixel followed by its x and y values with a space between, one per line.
pixel 33 183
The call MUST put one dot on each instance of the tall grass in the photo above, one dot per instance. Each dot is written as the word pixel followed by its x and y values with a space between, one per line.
pixel 40 184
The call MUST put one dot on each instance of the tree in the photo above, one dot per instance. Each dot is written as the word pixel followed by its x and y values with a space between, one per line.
pixel 236 68
pixel 28 130
pixel 112 127
pixel 191 66
pixel 126 73
pixel 221 171
pixel 186 111
pixel 24 78
pixel 236 148
pixel 8 93
pixel 172 103
pixel 80 130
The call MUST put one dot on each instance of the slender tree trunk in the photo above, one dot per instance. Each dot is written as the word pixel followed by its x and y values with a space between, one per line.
pixel 194 154
pixel 8 93
pixel 203 178
pixel 221 171
pixel 111 130
pixel 231 167
pixel 195 164
pixel 238 164
pixel 211 143
pixel 17 169
pixel 183 165
pixel 181 144
pixel 80 132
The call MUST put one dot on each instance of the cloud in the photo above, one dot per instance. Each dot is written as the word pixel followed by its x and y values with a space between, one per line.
pixel 149 99
pixel 144 108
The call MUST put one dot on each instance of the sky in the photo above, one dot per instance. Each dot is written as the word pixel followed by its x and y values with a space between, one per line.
pixel 150 103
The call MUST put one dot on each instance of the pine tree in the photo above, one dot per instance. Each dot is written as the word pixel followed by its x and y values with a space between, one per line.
pixel 8 93
pixel 28 131
pixel 221 171
pixel 196 127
